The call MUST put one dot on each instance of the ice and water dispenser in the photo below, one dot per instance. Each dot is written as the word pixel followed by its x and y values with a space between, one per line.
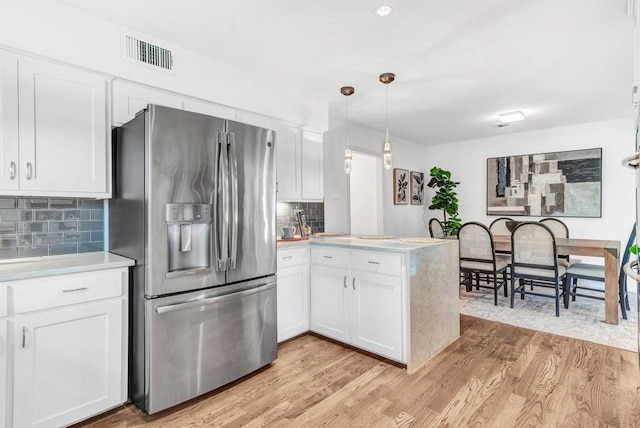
pixel 189 236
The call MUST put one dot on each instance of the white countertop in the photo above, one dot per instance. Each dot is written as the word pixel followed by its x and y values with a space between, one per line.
pixel 394 244
pixel 34 267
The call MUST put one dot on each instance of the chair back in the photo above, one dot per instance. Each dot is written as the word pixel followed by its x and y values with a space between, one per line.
pixel 558 228
pixel 499 226
pixel 533 246
pixel 622 278
pixel 476 243
pixel 435 228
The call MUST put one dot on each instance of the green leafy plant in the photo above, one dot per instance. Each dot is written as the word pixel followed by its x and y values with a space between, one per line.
pixel 445 199
pixel 634 249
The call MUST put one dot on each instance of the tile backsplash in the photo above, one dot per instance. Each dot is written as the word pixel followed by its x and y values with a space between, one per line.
pixel 286 214
pixel 32 227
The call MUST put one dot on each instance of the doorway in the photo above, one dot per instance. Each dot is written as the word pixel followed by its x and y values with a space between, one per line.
pixel 365 194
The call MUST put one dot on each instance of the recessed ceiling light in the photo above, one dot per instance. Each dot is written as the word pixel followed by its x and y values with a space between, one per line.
pixel 383 10
pixel 512 116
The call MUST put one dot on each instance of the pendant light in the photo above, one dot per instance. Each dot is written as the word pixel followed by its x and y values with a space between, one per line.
pixel 347 91
pixel 387 78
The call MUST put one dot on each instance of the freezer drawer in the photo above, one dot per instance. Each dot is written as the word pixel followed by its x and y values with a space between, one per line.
pixel 201 341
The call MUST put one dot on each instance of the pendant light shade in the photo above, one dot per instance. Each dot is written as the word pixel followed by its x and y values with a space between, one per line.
pixel 387 159
pixel 347 91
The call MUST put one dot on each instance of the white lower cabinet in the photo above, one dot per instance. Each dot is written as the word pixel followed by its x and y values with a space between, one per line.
pixel 376 313
pixel 69 347
pixel 331 302
pixel 357 298
pixel 293 292
pixel 67 363
pixel 4 359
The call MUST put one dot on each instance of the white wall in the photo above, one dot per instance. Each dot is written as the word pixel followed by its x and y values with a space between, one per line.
pixel 399 220
pixel 52 30
pixel 467 161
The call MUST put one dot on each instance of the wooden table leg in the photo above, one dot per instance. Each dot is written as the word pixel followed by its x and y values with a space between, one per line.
pixel 611 285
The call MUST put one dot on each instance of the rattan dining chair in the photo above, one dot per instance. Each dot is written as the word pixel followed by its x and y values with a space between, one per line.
pixel 593 272
pixel 560 230
pixel 435 228
pixel 499 226
pixel 478 258
pixel 534 261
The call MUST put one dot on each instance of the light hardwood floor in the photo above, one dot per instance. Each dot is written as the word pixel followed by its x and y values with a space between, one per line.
pixel 495 375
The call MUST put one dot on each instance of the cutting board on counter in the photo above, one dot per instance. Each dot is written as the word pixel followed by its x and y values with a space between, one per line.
pixel 295 238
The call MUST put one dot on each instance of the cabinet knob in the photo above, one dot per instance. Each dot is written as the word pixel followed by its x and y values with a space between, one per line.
pixel 29 171
pixel 12 170
pixel 353 283
pixel 345 281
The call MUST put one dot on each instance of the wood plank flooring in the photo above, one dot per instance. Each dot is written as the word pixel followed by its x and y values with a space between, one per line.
pixel 496 375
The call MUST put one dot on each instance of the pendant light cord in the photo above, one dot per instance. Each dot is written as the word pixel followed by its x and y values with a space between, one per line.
pixel 386 87
pixel 348 143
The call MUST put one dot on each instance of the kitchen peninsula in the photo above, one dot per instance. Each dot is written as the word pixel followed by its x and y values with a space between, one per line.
pixel 394 298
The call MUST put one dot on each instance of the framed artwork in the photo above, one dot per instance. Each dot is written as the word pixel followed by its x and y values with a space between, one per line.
pixel 400 186
pixel 558 184
pixel 417 188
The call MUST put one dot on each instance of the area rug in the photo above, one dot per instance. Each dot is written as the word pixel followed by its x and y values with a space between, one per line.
pixel 583 320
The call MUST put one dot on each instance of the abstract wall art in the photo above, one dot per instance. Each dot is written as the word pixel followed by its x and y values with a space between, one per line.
pixel 417 188
pixel 559 184
pixel 400 186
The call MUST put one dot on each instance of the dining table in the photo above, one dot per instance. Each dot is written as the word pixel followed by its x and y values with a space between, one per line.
pixel 608 249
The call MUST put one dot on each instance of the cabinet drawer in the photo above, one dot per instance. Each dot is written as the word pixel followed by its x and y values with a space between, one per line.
pixel 54 291
pixel 292 257
pixel 330 257
pixel 388 264
pixel 3 301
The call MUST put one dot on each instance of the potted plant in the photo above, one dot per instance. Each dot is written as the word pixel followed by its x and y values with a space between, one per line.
pixel 445 199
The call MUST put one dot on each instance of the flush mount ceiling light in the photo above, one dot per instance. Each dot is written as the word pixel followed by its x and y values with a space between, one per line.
pixel 383 10
pixel 387 78
pixel 347 91
pixel 512 116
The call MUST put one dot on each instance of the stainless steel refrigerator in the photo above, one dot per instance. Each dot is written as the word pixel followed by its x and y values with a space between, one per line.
pixel 194 205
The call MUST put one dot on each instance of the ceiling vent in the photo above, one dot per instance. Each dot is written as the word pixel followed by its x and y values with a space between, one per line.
pixel 144 50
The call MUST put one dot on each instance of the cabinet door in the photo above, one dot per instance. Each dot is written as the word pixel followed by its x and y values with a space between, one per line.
pixel 63 130
pixel 130 98
pixel 293 301
pixel 376 313
pixel 312 174
pixel 8 122
pixel 330 302
pixel 4 355
pixel 68 363
pixel 288 167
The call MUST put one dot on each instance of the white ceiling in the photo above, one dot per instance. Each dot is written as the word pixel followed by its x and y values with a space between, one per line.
pixel 458 63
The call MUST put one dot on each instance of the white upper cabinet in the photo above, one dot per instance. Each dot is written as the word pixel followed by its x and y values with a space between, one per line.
pixel 130 98
pixel 54 138
pixel 312 174
pixel 288 164
pixel 9 120
pixel 63 135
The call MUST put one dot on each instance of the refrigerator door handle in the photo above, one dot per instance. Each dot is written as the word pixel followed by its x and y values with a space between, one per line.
pixel 220 206
pixel 233 175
